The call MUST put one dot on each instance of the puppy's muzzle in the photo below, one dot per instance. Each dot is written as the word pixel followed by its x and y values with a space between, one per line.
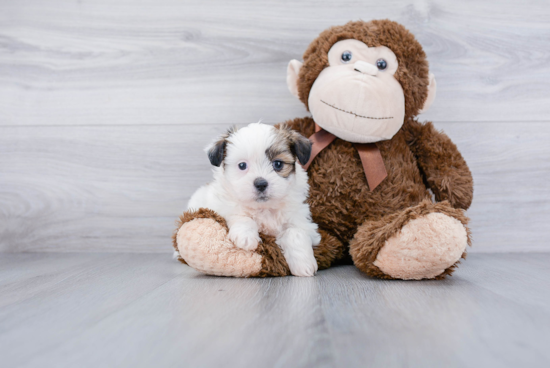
pixel 260 184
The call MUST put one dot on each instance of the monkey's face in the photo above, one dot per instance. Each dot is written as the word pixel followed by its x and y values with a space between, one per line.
pixel 357 97
pixel 359 93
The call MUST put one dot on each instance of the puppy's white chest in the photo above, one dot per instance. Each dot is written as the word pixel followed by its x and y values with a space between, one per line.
pixel 269 222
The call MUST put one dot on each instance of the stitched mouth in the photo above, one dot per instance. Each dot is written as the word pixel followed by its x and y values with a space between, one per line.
pixel 352 113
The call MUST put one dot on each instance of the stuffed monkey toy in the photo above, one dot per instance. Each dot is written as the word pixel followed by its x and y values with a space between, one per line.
pixel 387 192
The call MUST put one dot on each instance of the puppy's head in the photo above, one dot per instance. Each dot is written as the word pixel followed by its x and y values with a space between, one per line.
pixel 258 163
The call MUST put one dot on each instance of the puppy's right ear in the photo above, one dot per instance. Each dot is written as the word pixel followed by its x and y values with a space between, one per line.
pixel 216 152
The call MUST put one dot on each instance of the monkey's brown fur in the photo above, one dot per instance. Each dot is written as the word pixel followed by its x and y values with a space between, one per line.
pixel 343 206
pixel 351 218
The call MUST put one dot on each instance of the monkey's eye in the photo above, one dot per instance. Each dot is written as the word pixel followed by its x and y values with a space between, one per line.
pixel 381 64
pixel 242 165
pixel 278 165
pixel 346 57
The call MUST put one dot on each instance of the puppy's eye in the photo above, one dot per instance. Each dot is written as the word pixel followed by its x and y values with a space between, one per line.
pixel 242 165
pixel 346 57
pixel 278 165
pixel 381 64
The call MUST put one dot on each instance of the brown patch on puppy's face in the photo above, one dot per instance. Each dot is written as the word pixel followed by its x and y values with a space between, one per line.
pixel 282 159
pixel 288 146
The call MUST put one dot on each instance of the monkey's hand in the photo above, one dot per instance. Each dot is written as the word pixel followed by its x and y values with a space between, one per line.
pixel 445 170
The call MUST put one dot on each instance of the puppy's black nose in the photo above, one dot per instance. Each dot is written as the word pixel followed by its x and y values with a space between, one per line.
pixel 260 184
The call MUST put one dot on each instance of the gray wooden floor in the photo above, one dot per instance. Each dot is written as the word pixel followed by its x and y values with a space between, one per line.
pixel 146 310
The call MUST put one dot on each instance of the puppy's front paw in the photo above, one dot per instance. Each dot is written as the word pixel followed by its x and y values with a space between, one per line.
pixel 247 240
pixel 315 238
pixel 298 251
pixel 302 267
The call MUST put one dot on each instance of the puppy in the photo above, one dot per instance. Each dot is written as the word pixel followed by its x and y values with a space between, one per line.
pixel 260 187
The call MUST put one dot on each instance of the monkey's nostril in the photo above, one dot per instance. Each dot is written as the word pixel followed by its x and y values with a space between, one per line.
pixel 365 68
pixel 260 184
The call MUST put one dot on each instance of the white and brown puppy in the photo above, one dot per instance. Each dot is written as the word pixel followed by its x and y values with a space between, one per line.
pixel 259 186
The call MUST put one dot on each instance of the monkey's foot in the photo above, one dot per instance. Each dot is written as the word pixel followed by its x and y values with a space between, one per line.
pixel 424 248
pixel 201 241
pixel 423 242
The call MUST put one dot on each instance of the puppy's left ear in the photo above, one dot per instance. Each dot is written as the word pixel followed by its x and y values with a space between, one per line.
pixel 300 146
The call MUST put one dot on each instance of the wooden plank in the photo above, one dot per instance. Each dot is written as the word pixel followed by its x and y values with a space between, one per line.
pixel 60 301
pixel 148 310
pixel 92 187
pixel 120 188
pixel 520 277
pixel 454 323
pixel 511 192
pixel 18 283
pixel 180 62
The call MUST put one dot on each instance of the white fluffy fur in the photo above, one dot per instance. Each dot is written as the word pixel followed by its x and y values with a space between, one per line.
pixel 284 214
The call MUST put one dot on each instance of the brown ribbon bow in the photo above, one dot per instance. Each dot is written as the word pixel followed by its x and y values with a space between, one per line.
pixel 371 159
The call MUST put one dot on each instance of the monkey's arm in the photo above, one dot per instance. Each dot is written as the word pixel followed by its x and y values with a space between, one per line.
pixel 445 170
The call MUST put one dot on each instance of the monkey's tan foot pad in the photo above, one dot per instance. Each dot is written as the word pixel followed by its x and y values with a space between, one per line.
pixel 424 248
pixel 204 245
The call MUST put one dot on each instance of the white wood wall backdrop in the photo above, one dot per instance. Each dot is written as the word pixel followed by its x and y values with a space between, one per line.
pixel 105 107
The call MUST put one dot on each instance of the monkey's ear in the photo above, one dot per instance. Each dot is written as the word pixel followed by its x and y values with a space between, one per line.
pixel 216 152
pixel 431 94
pixel 301 147
pixel 292 73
